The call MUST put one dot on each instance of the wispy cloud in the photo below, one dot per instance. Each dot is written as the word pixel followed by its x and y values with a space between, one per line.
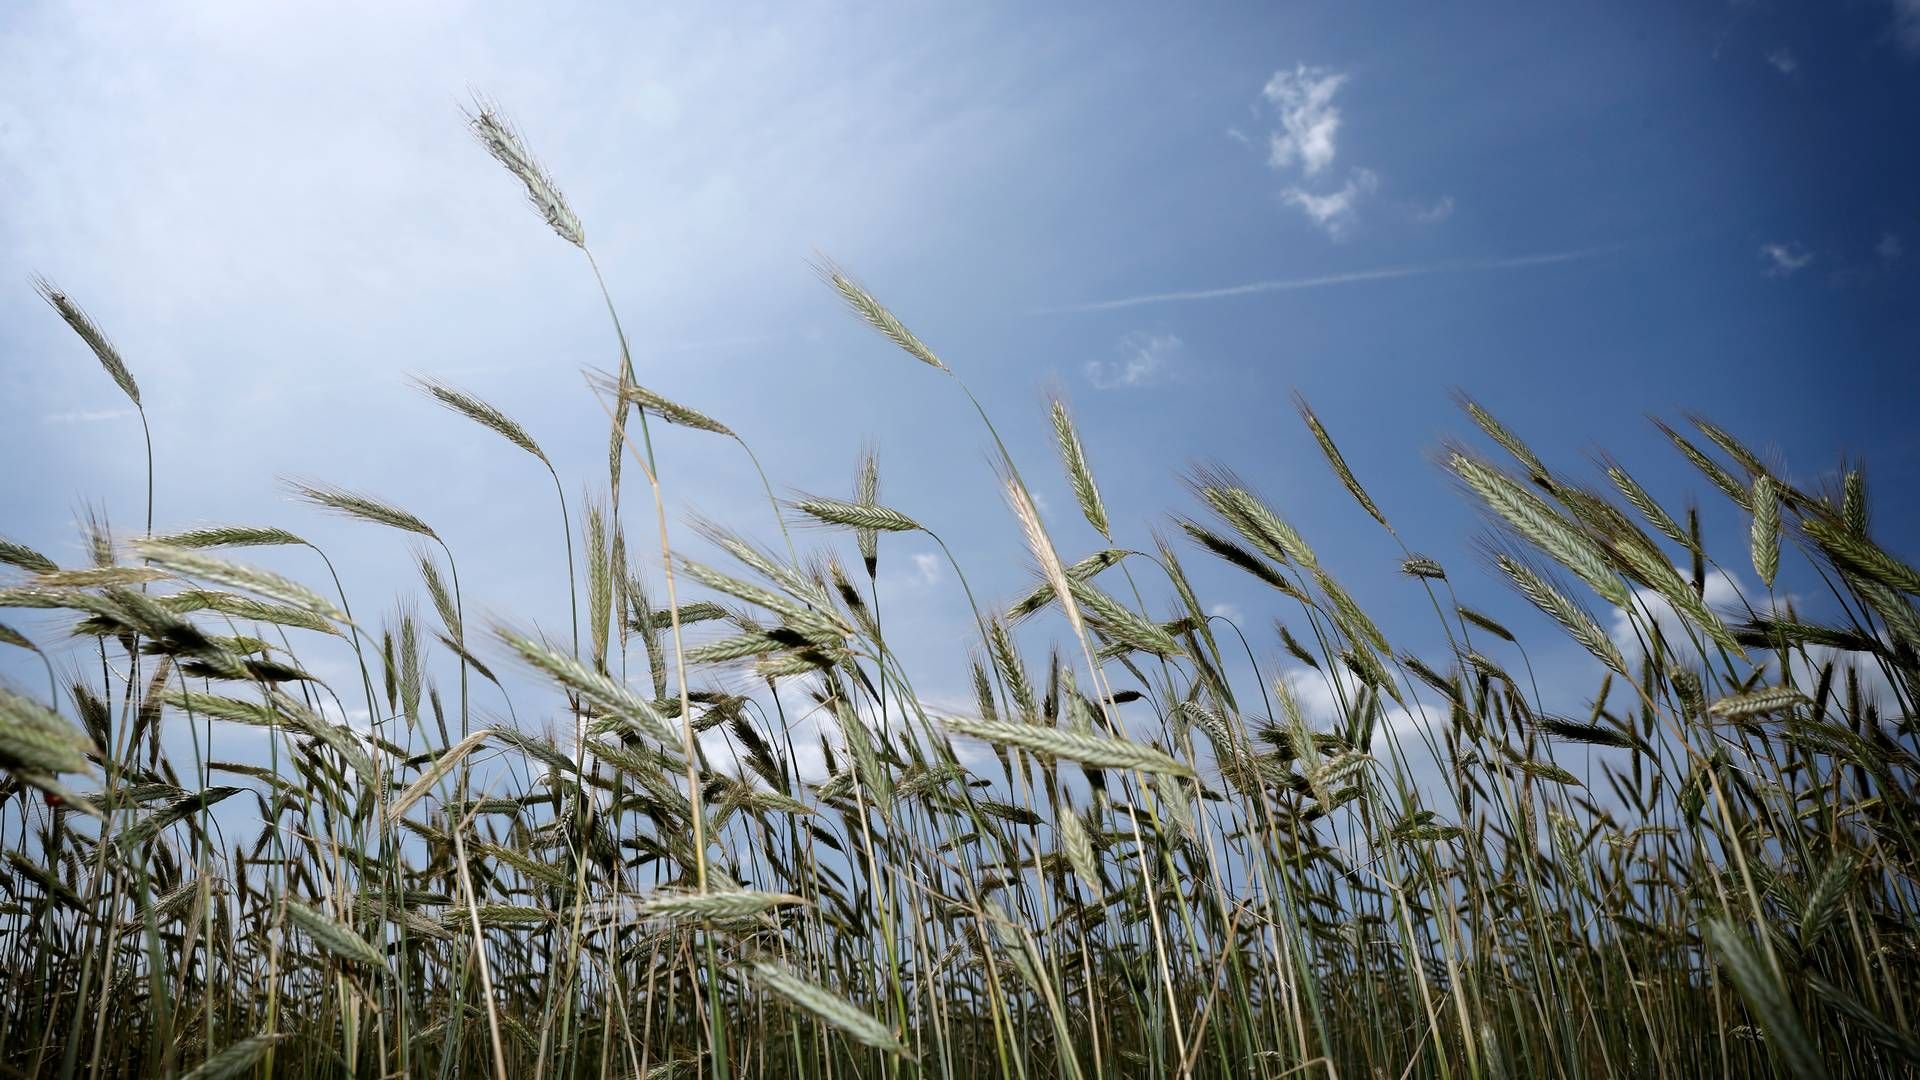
pixel 1334 211
pixel 1306 139
pixel 1890 248
pixel 1302 101
pixel 927 565
pixel 1785 260
pixel 1143 359
pixel 1303 143
pixel 86 416
pixel 1784 61
pixel 1432 214
pixel 921 570
pixel 1906 24
pixel 1352 277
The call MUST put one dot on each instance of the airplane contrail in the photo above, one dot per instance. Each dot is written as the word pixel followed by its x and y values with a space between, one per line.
pixel 1352 277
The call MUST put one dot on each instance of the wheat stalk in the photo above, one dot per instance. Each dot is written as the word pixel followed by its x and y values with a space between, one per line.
pixel 90 332
pixel 875 313
pixel 828 1006
pixel 504 143
pixel 1338 462
pixel 363 507
pixel 1766 529
pixel 1086 748
pixel 335 938
pixel 1546 530
pixel 866 517
pixel 187 562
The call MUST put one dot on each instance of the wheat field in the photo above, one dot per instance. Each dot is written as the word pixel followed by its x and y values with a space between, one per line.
pixel 1135 854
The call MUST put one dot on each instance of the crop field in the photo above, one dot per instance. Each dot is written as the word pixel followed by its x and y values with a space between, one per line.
pixel 601 850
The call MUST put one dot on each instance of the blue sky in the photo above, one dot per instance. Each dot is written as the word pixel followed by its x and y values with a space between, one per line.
pixel 1580 214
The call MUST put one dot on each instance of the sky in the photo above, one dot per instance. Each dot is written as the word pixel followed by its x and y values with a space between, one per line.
pixel 1171 215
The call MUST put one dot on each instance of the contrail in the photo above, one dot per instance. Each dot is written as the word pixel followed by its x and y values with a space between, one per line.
pixel 1353 277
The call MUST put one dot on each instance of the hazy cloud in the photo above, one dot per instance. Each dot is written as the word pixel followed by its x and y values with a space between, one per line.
pixel 1785 260
pixel 1144 359
pixel 927 565
pixel 1439 210
pixel 87 416
pixel 1334 211
pixel 1906 24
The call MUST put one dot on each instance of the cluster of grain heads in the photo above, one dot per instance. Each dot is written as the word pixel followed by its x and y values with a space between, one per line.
pixel 188 562
pixel 38 745
pixel 723 832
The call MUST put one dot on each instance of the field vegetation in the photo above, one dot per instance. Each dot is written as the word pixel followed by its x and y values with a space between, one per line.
pixel 492 852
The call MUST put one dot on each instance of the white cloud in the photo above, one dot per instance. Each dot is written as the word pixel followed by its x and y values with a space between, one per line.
pixel 1324 696
pixel 1144 359
pixel 1302 100
pixel 928 567
pixel 1307 138
pixel 812 730
pixel 1723 594
pixel 1890 248
pixel 1229 612
pixel 1440 210
pixel 1334 212
pixel 1784 260
pixel 1875 687
pixel 1784 61
pixel 1734 601
pixel 918 571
